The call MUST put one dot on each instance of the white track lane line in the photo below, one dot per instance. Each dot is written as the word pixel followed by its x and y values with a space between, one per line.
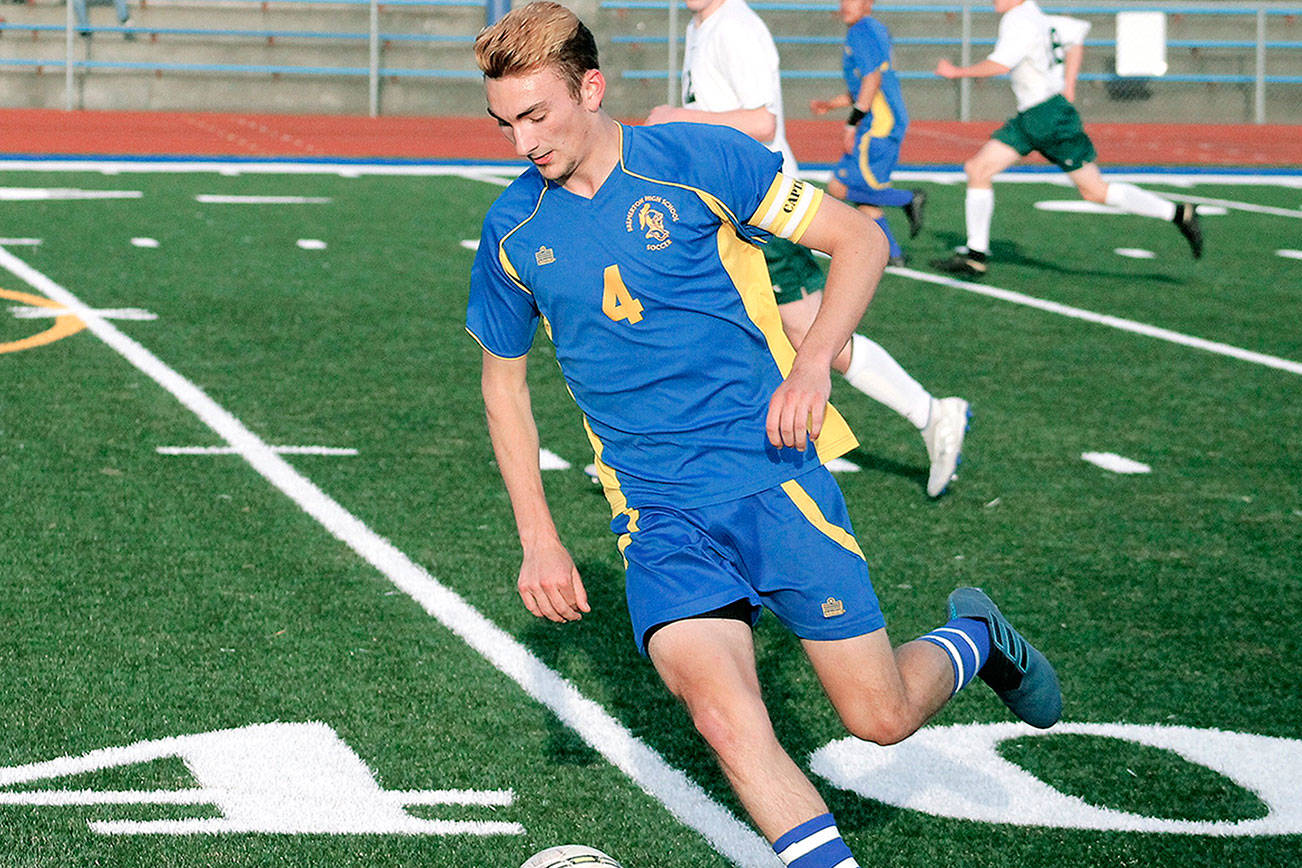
pixel 1116 322
pixel 684 799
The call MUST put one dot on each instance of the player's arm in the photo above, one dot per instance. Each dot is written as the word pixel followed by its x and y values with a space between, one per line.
pixel 549 583
pixel 859 254
pixel 868 87
pixel 983 69
pixel 1071 64
pixel 758 123
pixel 823 106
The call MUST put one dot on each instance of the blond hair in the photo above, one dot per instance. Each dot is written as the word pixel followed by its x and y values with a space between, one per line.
pixel 536 36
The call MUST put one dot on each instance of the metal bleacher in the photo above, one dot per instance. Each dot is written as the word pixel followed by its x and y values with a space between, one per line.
pixel 1230 62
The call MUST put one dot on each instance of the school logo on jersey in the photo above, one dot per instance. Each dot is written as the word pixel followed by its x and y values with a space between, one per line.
pixel 648 216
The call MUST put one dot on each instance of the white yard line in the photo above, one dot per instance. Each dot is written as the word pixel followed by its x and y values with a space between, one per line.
pixel 1244 206
pixel 1116 322
pixel 502 172
pixel 684 799
pixel 223 199
pixel 280 450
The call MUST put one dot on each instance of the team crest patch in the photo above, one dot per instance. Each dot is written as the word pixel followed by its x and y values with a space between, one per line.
pixel 544 255
pixel 833 607
pixel 648 216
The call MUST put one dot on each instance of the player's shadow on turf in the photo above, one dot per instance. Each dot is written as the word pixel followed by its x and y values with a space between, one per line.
pixel 869 463
pixel 1010 253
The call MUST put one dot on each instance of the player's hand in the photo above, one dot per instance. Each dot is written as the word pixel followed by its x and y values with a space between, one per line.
pixel 550 586
pixel 797 407
pixel 945 69
pixel 847 139
pixel 662 114
pixel 820 106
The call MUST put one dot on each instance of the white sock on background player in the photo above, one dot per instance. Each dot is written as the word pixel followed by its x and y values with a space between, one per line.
pixel 875 372
pixel 1132 199
pixel 979 208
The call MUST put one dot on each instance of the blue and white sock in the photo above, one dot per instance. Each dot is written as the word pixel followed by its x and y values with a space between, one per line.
pixel 814 843
pixel 896 252
pixel 966 641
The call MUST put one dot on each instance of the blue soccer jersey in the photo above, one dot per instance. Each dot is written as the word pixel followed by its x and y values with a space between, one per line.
pixel 867 50
pixel 660 308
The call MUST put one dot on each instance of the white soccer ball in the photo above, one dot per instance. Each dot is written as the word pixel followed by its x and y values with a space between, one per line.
pixel 570 856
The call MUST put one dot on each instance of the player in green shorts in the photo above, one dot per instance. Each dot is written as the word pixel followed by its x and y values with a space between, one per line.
pixel 1042 56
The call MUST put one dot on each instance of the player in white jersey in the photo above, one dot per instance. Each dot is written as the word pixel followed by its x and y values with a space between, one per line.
pixel 1042 55
pixel 731 77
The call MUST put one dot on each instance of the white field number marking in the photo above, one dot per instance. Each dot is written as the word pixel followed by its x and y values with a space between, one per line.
pixel 273 778
pixel 956 771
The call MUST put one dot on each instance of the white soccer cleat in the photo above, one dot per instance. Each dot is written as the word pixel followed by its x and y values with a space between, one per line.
pixel 944 438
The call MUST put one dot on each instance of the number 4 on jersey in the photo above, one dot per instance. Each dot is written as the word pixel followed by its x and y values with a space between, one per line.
pixel 616 301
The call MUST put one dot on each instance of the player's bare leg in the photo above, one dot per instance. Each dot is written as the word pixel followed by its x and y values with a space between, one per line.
pixel 882 694
pixel 798 316
pixel 709 663
pixel 979 208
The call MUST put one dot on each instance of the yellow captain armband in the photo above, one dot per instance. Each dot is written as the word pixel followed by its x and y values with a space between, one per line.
pixel 787 208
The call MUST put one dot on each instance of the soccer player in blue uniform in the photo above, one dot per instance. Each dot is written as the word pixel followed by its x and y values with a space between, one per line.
pixel 636 248
pixel 876 125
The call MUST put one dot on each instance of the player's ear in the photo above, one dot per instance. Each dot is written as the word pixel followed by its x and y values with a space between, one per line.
pixel 592 89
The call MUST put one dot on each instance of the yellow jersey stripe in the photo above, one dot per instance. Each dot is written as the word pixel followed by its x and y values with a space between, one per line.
pixel 749 273
pixel 609 481
pixel 809 509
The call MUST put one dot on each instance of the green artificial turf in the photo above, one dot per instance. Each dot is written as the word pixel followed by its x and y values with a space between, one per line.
pixel 147 596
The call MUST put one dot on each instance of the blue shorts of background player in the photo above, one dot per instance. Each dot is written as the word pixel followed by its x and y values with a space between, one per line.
pixel 789 549
pixel 866 174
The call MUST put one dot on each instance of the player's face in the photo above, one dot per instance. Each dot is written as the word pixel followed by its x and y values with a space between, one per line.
pixel 853 10
pixel 544 121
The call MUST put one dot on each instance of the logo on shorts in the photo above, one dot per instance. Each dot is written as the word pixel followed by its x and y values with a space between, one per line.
pixel 651 220
pixel 833 607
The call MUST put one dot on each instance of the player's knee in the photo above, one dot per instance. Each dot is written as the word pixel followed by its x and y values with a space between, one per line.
pixel 878 725
pixel 726 729
pixel 1094 193
pixel 975 171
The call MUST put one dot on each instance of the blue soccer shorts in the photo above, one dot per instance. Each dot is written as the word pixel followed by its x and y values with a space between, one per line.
pixel 789 549
pixel 867 169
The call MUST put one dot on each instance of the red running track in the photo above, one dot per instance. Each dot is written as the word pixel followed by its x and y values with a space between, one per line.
pixel 51 131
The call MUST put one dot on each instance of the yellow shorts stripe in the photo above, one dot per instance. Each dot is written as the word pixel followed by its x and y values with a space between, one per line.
pixel 809 509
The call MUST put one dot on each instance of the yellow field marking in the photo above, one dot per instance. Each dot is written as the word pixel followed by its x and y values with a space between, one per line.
pixel 64 324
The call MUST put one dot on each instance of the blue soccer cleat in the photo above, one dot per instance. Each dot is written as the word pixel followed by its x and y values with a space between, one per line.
pixel 1020 675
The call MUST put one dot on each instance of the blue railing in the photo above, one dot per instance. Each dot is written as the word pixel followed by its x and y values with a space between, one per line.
pixel 373 37
pixel 964 41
